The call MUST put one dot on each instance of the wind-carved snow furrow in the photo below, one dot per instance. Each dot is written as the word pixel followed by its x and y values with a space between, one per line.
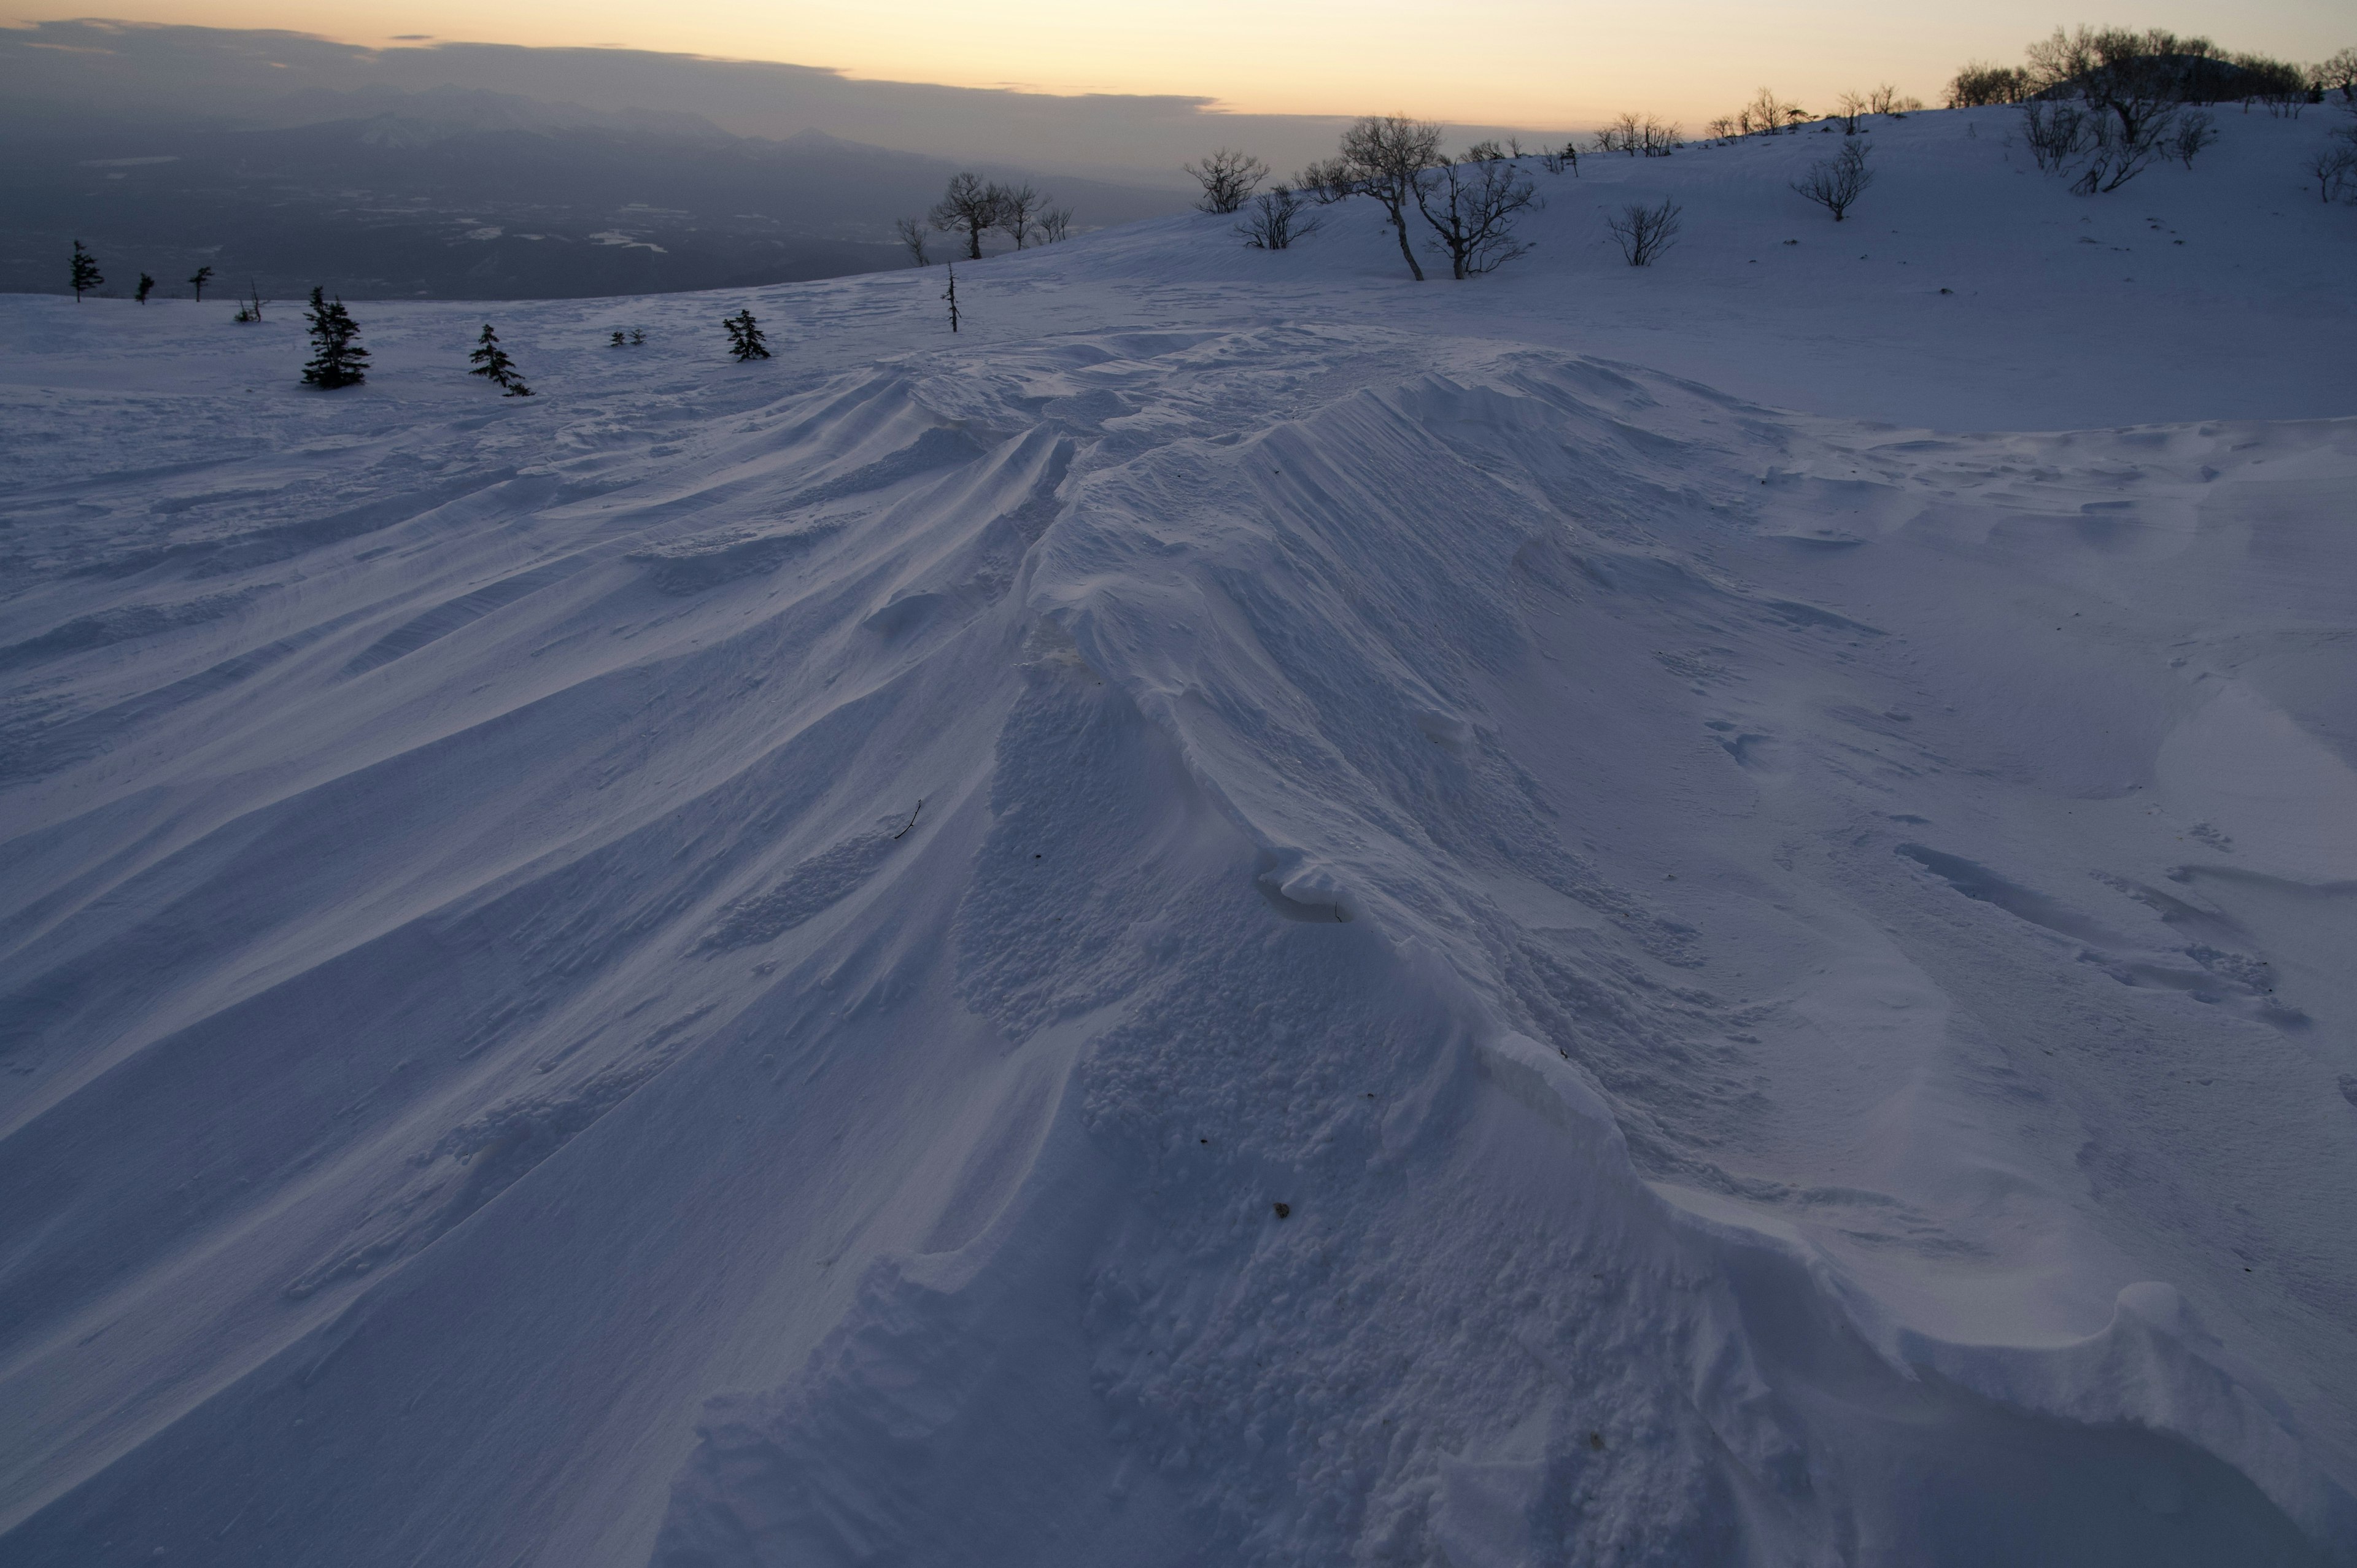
pixel 1256 945
pixel 1293 1091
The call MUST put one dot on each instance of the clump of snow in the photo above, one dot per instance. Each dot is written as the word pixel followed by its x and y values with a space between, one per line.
pixel 1249 914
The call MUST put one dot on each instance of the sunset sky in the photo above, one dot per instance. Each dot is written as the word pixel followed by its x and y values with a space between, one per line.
pixel 1537 62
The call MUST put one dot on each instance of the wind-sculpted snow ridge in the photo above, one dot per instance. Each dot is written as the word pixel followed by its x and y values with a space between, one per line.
pixel 1193 941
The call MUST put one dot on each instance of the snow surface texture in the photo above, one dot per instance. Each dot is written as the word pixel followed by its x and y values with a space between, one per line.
pixel 1508 956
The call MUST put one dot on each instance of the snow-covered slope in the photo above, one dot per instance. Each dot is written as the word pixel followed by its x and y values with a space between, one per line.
pixel 1251 914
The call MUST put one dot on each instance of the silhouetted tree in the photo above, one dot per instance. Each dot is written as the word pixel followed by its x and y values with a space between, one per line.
pixel 1055 225
pixel 1471 204
pixel 2336 74
pixel 491 362
pixel 969 205
pixel 912 236
pixel 1836 182
pixel 1637 135
pixel 1276 219
pixel 745 336
pixel 337 357
pixel 1980 83
pixel 147 287
pixel 1769 115
pixel 616 340
pixel 1383 155
pixel 85 272
pixel 949 293
pixel 1018 213
pixel 197 279
pixel 1645 233
pixel 1848 111
pixel 1227 178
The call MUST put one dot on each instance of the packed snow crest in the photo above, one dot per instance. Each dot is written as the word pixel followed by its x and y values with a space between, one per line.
pixel 1247 915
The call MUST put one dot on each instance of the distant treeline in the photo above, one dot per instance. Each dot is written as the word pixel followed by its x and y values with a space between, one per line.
pixel 2187 69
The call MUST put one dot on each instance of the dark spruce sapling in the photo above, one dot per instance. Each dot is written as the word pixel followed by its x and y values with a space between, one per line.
pixel 744 337
pixel 337 357
pixel 86 275
pixel 491 362
pixel 197 279
pixel 147 287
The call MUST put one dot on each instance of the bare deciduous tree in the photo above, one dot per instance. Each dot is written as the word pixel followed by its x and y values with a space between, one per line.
pixel 1638 135
pixel 1327 183
pixel 2195 130
pixel 1770 115
pixel 1055 225
pixel 971 205
pixel 1849 111
pixel 1018 213
pixel 2131 121
pixel 912 231
pixel 2054 130
pixel 1624 135
pixel 1645 233
pixel 1556 160
pixel 1276 219
pixel 1981 83
pixel 1471 204
pixel 2336 74
pixel 1227 178
pixel 1835 183
pixel 1381 156
pixel 2335 169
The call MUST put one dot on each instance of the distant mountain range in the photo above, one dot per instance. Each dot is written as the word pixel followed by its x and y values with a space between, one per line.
pixel 455 193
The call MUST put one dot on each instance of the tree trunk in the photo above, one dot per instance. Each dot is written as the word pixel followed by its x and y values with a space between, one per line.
pixel 1399 226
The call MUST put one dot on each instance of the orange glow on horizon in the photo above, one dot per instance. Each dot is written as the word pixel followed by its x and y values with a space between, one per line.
pixel 1486 61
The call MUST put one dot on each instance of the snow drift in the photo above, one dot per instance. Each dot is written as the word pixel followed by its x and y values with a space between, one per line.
pixel 1225 921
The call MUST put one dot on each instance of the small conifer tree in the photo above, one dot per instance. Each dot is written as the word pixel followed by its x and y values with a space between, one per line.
pixel 197 279
pixel 491 361
pixel 337 357
pixel 638 336
pixel 745 339
pixel 616 340
pixel 147 287
pixel 85 272
pixel 949 293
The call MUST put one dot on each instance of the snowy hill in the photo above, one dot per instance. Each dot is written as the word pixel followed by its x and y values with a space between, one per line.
pixel 1250 914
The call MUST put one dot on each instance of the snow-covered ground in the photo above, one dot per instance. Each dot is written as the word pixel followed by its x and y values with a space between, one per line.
pixel 1252 914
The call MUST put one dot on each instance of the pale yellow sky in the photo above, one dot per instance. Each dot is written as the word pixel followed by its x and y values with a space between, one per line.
pixel 1534 63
